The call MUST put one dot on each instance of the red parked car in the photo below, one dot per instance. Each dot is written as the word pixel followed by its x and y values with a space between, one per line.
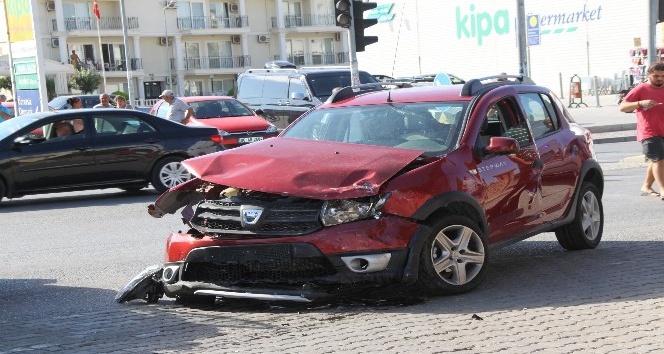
pixel 411 186
pixel 237 124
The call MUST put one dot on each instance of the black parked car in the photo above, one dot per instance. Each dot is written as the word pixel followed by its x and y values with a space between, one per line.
pixel 96 148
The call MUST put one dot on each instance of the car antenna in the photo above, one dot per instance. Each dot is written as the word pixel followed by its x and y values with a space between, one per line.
pixel 389 96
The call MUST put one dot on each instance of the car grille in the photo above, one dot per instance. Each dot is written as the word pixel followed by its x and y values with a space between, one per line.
pixel 274 264
pixel 273 216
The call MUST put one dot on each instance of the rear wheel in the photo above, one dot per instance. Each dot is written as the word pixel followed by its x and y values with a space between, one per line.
pixel 454 257
pixel 168 173
pixel 585 231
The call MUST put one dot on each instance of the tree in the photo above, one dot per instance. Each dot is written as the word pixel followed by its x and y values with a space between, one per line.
pixel 5 83
pixel 85 80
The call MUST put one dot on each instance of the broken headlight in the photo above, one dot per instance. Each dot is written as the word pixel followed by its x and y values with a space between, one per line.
pixel 335 212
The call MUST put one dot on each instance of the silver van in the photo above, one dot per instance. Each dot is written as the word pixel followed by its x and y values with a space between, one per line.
pixel 282 95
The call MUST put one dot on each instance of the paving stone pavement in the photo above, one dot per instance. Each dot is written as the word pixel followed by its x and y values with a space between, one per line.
pixel 607 300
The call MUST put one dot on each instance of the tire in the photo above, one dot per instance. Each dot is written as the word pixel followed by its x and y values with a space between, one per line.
pixel 132 189
pixel 168 173
pixel 585 231
pixel 454 257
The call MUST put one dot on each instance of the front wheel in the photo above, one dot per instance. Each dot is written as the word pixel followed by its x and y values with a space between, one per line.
pixel 585 231
pixel 454 257
pixel 168 173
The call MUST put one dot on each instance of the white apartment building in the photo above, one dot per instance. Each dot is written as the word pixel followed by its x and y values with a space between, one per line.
pixel 208 42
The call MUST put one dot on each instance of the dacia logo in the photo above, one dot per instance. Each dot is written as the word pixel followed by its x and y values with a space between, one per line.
pixel 481 24
pixel 250 215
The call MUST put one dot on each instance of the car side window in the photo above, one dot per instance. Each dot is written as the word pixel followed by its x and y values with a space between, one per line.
pixel 502 119
pixel 250 86
pixel 539 116
pixel 60 130
pixel 121 125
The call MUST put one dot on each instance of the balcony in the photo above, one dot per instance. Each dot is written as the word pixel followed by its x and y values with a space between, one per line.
pixel 212 22
pixel 305 21
pixel 90 23
pixel 318 58
pixel 205 63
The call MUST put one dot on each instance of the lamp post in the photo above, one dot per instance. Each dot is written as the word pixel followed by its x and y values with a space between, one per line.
pixel 171 5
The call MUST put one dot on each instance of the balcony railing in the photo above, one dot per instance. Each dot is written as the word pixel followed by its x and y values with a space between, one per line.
pixel 90 23
pixel 318 58
pixel 212 22
pixel 217 62
pixel 306 21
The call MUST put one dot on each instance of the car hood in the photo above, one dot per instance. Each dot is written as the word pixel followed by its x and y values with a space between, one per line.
pixel 304 168
pixel 232 124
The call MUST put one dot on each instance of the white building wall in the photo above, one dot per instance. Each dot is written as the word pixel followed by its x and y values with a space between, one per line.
pixel 430 36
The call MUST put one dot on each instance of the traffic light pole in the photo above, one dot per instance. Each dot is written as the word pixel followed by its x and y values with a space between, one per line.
pixel 352 53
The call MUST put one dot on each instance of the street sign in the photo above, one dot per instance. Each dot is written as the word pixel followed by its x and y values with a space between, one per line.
pixel 533 29
pixel 25 74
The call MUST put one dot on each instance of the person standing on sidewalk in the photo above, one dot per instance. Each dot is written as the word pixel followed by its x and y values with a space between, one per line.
pixel 647 99
pixel 178 111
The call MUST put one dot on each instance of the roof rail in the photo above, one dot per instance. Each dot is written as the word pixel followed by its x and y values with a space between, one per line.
pixel 271 71
pixel 471 87
pixel 324 67
pixel 352 91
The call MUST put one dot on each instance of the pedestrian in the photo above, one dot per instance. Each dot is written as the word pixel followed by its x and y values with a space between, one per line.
pixel 104 101
pixel 75 61
pixel 4 111
pixel 647 100
pixel 121 103
pixel 178 111
pixel 75 102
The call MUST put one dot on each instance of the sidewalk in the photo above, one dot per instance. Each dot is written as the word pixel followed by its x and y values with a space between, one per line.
pixel 604 119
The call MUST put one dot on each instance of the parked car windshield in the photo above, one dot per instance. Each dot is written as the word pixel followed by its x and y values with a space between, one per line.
pixel 323 83
pixel 219 108
pixel 433 126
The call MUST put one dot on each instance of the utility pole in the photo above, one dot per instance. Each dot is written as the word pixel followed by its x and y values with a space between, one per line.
pixel 521 37
pixel 652 31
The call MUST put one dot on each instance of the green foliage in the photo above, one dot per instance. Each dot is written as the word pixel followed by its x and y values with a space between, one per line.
pixel 5 83
pixel 231 92
pixel 50 88
pixel 85 80
pixel 120 93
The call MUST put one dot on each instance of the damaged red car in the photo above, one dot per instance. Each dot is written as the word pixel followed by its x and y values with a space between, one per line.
pixel 411 186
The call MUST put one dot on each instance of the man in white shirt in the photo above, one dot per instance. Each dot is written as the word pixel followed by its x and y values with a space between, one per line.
pixel 178 110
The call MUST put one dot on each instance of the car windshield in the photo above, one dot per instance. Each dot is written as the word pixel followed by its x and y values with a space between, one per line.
pixel 10 126
pixel 432 126
pixel 219 109
pixel 322 83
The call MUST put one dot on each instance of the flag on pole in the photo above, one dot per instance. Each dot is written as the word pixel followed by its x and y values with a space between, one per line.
pixel 95 9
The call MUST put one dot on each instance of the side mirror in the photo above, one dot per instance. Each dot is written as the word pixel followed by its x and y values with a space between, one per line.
pixel 23 141
pixel 502 146
pixel 259 112
pixel 300 96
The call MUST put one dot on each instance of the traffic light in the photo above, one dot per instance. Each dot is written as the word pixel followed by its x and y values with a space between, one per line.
pixel 342 13
pixel 360 24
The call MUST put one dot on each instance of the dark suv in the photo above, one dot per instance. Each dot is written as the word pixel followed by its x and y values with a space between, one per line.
pixel 411 186
pixel 282 95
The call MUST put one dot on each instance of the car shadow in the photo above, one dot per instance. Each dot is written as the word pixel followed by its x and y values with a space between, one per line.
pixel 77 199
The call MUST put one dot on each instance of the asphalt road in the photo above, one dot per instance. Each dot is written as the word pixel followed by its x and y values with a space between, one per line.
pixel 65 256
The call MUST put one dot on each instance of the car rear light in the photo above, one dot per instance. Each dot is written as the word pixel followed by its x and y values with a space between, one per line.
pixel 216 138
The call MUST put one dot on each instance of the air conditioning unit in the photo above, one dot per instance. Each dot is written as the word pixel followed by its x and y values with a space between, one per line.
pixel 337 36
pixel 263 38
pixel 50 6
pixel 234 7
pixel 55 42
pixel 236 39
pixel 162 41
